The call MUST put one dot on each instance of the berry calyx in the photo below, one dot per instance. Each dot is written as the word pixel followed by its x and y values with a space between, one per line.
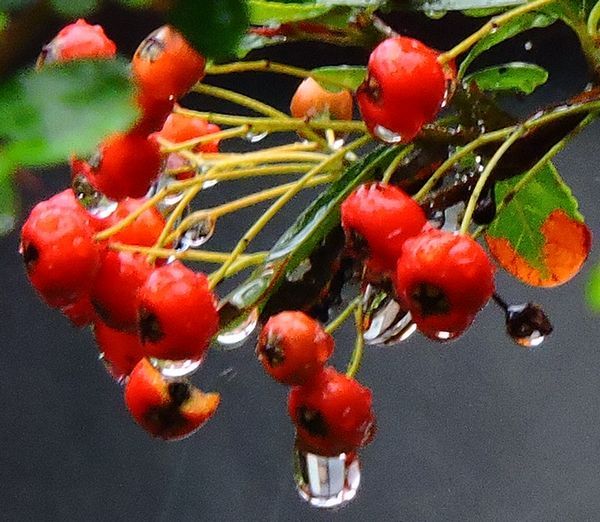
pixel 115 290
pixel 311 101
pixel 377 219
pixel 293 347
pixel 332 413
pixel 177 315
pixel 169 410
pixel 121 351
pixel 77 41
pixel 165 66
pixel 59 252
pixel 444 279
pixel 405 88
pixel 124 165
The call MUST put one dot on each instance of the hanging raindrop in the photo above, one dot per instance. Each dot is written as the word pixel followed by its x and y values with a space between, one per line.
pixel 91 199
pixel 239 334
pixel 527 324
pixel 199 233
pixel 175 369
pixel 255 137
pixel 387 322
pixel 387 135
pixel 326 482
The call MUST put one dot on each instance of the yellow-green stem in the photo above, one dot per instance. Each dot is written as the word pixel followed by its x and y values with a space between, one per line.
pixel 168 146
pixel 466 222
pixel 389 172
pixel 344 314
pixel 359 344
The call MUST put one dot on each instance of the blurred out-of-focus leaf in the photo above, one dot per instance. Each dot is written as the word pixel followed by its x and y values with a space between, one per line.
pixel 263 12
pixel 74 8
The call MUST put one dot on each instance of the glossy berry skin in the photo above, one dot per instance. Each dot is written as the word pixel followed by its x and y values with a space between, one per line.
pixel 179 128
pixel 169 410
pixel 121 351
pixel 115 290
pixel 293 347
pixel 404 89
pixel 77 41
pixel 377 219
pixel 311 101
pixel 125 165
pixel 154 113
pixel 444 279
pixel 67 200
pixel 144 231
pixel 81 312
pixel 332 413
pixel 59 251
pixel 177 315
pixel 165 66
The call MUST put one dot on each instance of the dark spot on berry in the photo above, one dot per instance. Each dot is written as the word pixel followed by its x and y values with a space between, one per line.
pixel 356 244
pixel 179 392
pixel 372 88
pixel 149 326
pixel 166 421
pixel 430 299
pixel 312 421
pixel 526 320
pixel 273 351
pixel 30 255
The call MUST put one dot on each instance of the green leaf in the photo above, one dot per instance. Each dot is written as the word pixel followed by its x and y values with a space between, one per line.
pixel 74 8
pixel 483 12
pixel 539 236
pixel 512 28
pixel 214 27
pixel 8 199
pixel 515 76
pixel 342 76
pixel 136 4
pixel 304 236
pixel 592 289
pixel 64 109
pixel 3 21
pixel 454 5
pixel 15 5
pixel 263 12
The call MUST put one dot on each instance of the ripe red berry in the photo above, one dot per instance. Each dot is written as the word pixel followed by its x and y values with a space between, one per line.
pixel 154 113
pixel 444 279
pixel 165 66
pixel 311 101
pixel 125 165
pixel 293 347
pixel 120 350
pixel 59 251
pixel 179 128
pixel 81 312
pixel 177 315
pixel 170 410
pixel 332 413
pixel 67 200
pixel 404 89
pixel 115 289
pixel 377 219
pixel 144 231
pixel 77 41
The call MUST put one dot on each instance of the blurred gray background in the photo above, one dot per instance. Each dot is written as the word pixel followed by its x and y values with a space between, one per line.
pixel 478 429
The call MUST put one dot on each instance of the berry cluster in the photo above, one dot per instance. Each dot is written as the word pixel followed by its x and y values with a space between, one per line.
pixel 442 278
pixel 139 310
pixel 332 413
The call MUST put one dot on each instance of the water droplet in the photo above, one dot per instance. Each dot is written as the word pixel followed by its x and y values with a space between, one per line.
pixel 388 323
pixel 238 335
pixel 435 14
pixel 91 199
pixel 255 137
pixel 326 482
pixel 199 233
pixel 528 45
pixel 437 218
pixel 387 135
pixel 209 183
pixel 527 324
pixel 166 204
pixel 175 369
pixel 445 336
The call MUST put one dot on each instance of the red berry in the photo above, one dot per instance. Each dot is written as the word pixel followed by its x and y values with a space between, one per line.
pixel 165 66
pixel 383 217
pixel 179 128
pixel 333 413
pixel 66 199
pixel 81 312
pixel 177 315
pixel 59 251
pixel 311 101
pixel 167 409
pixel 125 165
pixel 120 350
pixel 293 347
pixel 154 113
pixel 144 231
pixel 76 42
pixel 115 290
pixel 404 89
pixel 444 279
